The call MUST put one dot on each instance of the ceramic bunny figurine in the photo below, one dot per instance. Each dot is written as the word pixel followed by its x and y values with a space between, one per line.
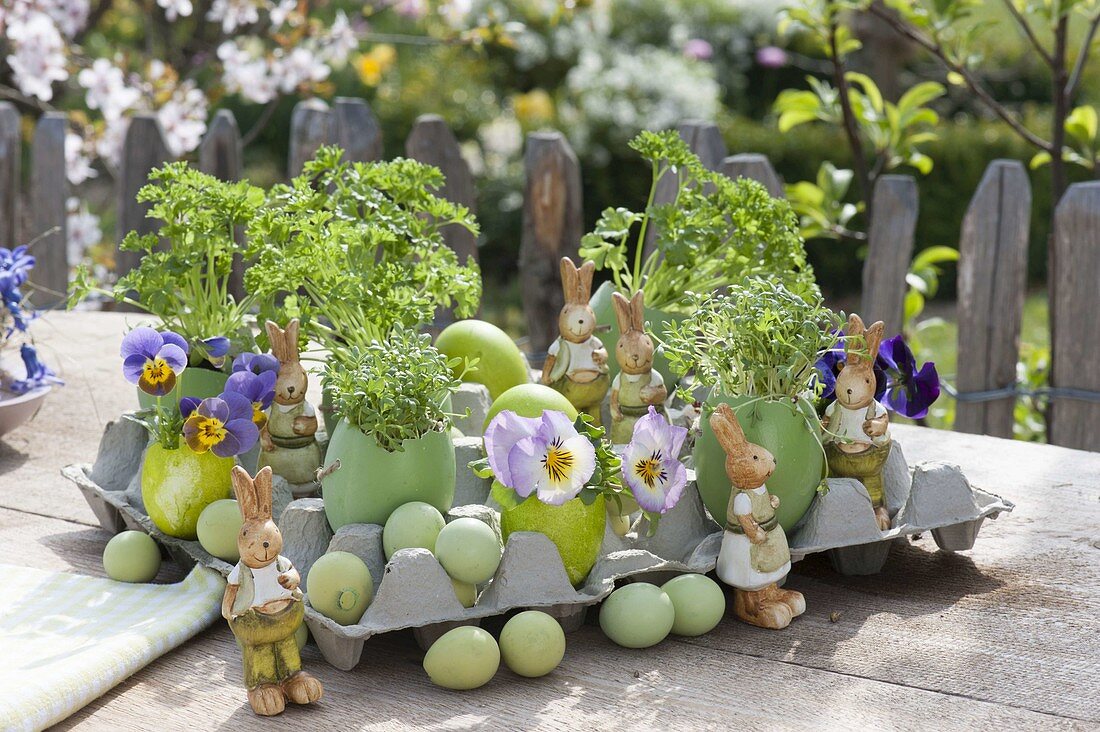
pixel 289 440
pixel 638 385
pixel 754 554
pixel 857 436
pixel 263 604
pixel 576 363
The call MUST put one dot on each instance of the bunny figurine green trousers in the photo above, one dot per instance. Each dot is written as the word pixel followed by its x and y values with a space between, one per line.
pixel 267 642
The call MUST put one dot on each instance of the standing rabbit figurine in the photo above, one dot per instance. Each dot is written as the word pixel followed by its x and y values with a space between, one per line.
pixel 576 363
pixel 263 604
pixel 289 443
pixel 857 434
pixel 637 386
pixel 754 556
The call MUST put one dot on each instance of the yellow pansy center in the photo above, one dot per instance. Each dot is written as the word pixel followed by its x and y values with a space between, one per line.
pixel 259 417
pixel 558 462
pixel 649 470
pixel 156 371
pixel 211 432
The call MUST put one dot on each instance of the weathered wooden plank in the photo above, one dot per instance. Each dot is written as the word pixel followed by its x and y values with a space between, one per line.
pixel 1075 347
pixel 889 250
pixel 311 126
pixel 754 166
pixel 992 285
pixel 552 228
pixel 143 150
pixel 356 130
pixel 221 154
pixel 49 190
pixel 11 178
pixel 704 139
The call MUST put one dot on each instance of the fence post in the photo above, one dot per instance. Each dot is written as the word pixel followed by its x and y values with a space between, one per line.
pixel 704 139
pixel 49 189
pixel 11 179
pixel 889 249
pixel 754 166
pixel 1075 349
pixel 552 228
pixel 311 126
pixel 143 149
pixel 356 130
pixel 992 284
pixel 222 156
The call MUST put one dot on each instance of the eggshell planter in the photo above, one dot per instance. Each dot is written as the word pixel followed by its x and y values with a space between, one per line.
pixel 605 318
pixel 414 592
pixel 364 484
pixel 790 432
pixel 198 382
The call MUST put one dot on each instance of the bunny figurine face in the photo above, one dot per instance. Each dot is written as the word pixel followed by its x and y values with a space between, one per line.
pixel 259 541
pixel 748 466
pixel 577 321
pixel 634 350
pixel 290 386
pixel 855 385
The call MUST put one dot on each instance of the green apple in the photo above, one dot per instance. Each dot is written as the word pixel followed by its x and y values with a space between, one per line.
pixel 131 556
pixel 501 364
pixel 219 524
pixel 176 485
pixel 531 400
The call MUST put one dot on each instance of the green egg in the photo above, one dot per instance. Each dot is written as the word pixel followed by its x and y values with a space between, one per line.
pixel 469 550
pixel 131 557
pixel 463 658
pixel 301 636
pixel 638 615
pixel 699 602
pixel 219 524
pixel 340 587
pixel 532 643
pixel 465 592
pixel 412 525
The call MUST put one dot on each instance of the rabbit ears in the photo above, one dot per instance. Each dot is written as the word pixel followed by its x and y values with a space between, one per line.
pixel 284 343
pixel 728 430
pixel 253 495
pixel 629 313
pixel 577 283
pixel 871 337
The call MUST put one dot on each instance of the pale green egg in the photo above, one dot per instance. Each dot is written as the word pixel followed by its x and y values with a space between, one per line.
pixel 340 587
pixel 219 524
pixel 699 602
pixel 638 615
pixel 469 550
pixel 131 557
pixel 532 643
pixel 465 592
pixel 413 525
pixel 463 658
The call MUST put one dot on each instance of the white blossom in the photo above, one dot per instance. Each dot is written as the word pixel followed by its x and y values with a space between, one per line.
pixel 280 12
pixel 243 74
pixel 78 164
pixel 299 66
pixel 183 118
pixel 341 40
pixel 174 9
pixel 234 14
pixel 39 58
pixel 82 229
pixel 106 89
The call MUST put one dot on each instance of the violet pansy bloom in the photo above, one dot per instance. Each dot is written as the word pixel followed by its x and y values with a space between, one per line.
pixel 909 391
pixel 259 389
pixel 541 455
pixel 222 425
pixel 153 360
pixel 257 363
pixel 651 466
pixel 189 405
pixel 216 349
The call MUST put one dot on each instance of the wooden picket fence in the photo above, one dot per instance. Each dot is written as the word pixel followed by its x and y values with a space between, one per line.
pixel 993 241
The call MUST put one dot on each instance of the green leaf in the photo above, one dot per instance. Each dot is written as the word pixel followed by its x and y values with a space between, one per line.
pixel 790 120
pixel 870 89
pixel 914 305
pixel 1081 125
pixel 920 95
pixel 1039 160
pixel 934 255
pixel 921 162
pixel 955 78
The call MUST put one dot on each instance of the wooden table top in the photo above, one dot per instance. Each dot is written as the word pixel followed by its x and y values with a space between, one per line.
pixel 1005 635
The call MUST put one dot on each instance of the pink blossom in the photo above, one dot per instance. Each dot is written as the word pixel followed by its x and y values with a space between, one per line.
pixel 698 49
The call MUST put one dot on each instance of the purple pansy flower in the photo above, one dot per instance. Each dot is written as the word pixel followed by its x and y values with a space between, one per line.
pixel 651 467
pixel 189 405
pixel 257 363
pixel 542 455
pixel 38 373
pixel 222 425
pixel 153 360
pixel 259 389
pixel 910 391
pixel 216 349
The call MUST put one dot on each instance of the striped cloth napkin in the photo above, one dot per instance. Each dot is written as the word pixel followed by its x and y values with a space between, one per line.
pixel 66 639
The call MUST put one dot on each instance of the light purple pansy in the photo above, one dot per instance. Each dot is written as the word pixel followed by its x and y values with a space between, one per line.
pixel 153 360
pixel 259 389
pixel 223 425
pixel 651 466
pixel 541 455
pixel 257 363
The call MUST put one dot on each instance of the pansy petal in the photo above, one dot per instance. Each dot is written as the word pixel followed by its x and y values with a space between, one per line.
pixel 175 339
pixel 228 447
pixel 504 431
pixel 133 367
pixel 216 347
pixel 143 341
pixel 244 383
pixel 191 433
pixel 556 424
pixel 214 408
pixel 174 356
pixel 584 459
pixel 159 388
pixel 188 405
pixel 239 406
pixel 246 432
